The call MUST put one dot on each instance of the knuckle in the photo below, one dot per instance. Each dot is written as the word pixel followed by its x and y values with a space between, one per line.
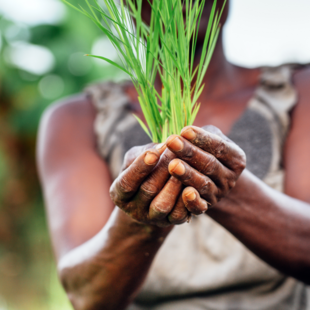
pixel 224 187
pixel 220 193
pixel 178 217
pixel 116 198
pixel 159 208
pixel 205 187
pixel 243 161
pixel 210 165
pixel 228 183
pixel 149 190
pixel 231 184
pixel 240 161
pixel 125 189
pixel 188 152
pixel 239 166
pixel 166 157
pixel 221 148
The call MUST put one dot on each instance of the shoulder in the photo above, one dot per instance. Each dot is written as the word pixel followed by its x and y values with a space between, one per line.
pixel 301 112
pixel 301 80
pixel 297 147
pixel 66 130
pixel 302 75
pixel 68 112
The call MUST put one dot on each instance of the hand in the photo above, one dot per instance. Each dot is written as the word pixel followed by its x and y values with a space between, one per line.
pixel 207 163
pixel 146 191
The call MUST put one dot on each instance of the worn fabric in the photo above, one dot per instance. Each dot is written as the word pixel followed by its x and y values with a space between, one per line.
pixel 201 265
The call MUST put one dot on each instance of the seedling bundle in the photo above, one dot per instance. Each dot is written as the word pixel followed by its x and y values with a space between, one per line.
pixel 166 48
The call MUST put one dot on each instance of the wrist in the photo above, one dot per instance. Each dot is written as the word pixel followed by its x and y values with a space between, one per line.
pixel 142 230
pixel 246 192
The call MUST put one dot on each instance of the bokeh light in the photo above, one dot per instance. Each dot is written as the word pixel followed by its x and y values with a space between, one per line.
pixel 29 57
pixel 268 32
pixel 51 86
pixel 33 12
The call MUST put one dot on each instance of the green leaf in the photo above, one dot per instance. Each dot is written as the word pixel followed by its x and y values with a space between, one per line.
pixel 143 126
pixel 165 48
pixel 110 62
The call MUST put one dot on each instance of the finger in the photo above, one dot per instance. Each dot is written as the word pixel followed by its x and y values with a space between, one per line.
pixel 191 177
pixel 229 153
pixel 179 214
pixel 164 202
pixel 128 182
pixel 155 181
pixel 202 161
pixel 193 202
pixel 134 152
pixel 216 131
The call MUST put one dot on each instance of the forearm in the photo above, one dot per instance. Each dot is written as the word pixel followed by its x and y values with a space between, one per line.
pixel 274 226
pixel 107 271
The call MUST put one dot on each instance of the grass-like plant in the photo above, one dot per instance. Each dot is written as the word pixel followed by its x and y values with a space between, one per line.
pixel 166 48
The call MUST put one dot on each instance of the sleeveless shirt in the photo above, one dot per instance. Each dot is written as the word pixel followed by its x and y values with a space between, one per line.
pixel 201 265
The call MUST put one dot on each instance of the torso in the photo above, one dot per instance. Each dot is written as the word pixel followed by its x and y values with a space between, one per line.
pixel 221 110
pixel 75 118
pixel 221 260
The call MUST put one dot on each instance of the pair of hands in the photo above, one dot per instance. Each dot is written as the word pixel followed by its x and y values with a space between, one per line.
pixel 164 184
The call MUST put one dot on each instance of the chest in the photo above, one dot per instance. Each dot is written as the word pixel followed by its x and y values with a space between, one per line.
pixel 222 113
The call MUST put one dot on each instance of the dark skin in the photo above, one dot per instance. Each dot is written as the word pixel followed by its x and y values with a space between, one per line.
pixel 105 251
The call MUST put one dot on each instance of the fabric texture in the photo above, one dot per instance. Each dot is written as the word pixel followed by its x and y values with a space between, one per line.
pixel 201 265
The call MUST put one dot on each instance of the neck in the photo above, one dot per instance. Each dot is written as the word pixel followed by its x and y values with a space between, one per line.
pixel 222 78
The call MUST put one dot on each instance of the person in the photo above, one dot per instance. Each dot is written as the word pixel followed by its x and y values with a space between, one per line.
pixel 246 245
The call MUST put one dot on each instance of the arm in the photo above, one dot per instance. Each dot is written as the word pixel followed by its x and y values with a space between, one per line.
pixel 102 259
pixel 274 226
pixel 107 271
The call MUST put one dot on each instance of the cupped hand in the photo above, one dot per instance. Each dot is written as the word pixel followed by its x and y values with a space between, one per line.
pixel 208 164
pixel 146 191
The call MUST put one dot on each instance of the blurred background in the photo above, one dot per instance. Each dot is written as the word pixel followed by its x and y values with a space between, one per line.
pixel 42 43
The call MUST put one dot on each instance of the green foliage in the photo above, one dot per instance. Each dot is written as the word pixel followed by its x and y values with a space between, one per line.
pixel 165 47
pixel 27 265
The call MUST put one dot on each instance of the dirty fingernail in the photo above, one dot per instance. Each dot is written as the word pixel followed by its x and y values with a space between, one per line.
pixel 175 144
pixel 160 147
pixel 150 159
pixel 190 196
pixel 177 167
pixel 189 134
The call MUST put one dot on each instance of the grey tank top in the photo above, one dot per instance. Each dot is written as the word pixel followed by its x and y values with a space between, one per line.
pixel 201 265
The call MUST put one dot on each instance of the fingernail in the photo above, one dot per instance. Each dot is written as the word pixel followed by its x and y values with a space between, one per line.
pixel 177 167
pixel 175 144
pixel 189 134
pixel 150 158
pixel 160 147
pixel 190 196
